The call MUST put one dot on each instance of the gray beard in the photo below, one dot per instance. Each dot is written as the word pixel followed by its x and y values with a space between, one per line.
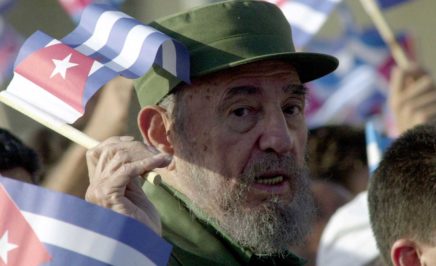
pixel 269 228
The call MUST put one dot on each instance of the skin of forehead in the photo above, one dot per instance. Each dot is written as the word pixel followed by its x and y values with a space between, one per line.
pixel 264 69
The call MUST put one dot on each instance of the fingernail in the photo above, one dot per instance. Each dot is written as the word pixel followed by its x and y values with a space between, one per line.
pixel 166 157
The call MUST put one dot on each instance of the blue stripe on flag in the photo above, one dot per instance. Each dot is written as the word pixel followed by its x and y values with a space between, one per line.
pixel 116 39
pixel 183 65
pixel 96 81
pixel 87 24
pixel 151 46
pixel 35 42
pixel 116 43
pixel 78 212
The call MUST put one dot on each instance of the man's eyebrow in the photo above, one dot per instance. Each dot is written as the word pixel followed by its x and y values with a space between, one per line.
pixel 295 89
pixel 241 90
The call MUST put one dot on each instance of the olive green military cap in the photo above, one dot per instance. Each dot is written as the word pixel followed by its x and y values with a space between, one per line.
pixel 229 34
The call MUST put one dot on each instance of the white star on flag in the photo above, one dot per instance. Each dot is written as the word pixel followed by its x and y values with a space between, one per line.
pixel 61 66
pixel 5 247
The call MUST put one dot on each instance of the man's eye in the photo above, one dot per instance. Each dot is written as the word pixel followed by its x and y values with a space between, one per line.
pixel 240 112
pixel 292 109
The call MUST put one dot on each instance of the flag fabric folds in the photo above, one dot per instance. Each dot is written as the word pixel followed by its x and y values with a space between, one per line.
pixel 42 227
pixel 125 45
pixel 357 90
pixel 306 17
pixel 62 83
pixel 106 43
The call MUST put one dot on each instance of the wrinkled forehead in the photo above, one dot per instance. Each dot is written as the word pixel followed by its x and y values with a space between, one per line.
pixel 260 74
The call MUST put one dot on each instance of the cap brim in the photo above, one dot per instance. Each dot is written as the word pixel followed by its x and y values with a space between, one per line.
pixel 310 66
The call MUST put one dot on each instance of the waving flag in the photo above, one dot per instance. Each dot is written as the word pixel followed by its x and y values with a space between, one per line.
pixel 75 7
pixel 125 45
pixel 306 17
pixel 357 89
pixel 41 227
pixel 69 72
pixel 62 83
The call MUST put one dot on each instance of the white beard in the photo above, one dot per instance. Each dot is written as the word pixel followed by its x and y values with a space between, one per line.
pixel 270 227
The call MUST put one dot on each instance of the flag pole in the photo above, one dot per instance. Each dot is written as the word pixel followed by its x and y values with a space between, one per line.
pixel 374 12
pixel 65 130
pixel 60 127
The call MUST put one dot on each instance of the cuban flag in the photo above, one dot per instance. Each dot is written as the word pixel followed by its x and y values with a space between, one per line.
pixel 357 90
pixel 75 7
pixel 125 45
pixel 42 227
pixel 306 17
pixel 55 79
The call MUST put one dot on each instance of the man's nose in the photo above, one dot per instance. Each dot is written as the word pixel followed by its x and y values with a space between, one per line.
pixel 276 135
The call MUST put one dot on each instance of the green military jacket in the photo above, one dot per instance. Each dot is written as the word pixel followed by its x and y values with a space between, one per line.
pixel 197 243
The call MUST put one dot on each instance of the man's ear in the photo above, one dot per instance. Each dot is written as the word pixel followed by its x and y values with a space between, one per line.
pixel 154 124
pixel 405 252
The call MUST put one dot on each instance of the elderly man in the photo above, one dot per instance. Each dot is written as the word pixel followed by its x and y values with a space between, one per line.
pixel 230 147
pixel 402 199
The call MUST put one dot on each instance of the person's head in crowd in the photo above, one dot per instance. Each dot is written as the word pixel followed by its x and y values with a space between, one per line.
pixel 338 153
pixel 16 159
pixel 402 199
pixel 237 133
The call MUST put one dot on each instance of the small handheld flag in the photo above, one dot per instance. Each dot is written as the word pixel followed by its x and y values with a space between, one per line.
pixel 42 227
pixel 106 43
pixel 373 10
pixel 69 72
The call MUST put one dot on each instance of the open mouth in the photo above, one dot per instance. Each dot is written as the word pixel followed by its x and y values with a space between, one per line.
pixel 274 180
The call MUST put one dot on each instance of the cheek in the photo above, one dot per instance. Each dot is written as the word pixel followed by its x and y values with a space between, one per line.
pixel 301 142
